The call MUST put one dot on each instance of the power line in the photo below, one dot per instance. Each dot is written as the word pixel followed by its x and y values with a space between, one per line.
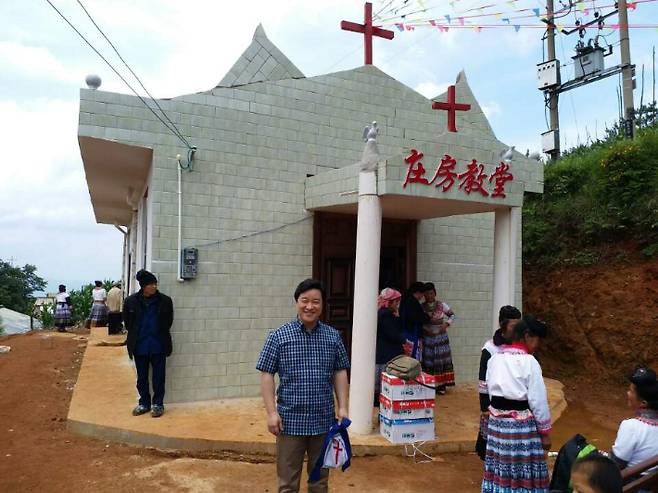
pixel 178 132
pixel 119 75
pixel 255 233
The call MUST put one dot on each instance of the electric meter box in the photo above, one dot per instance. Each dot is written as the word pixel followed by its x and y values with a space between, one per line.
pixel 588 61
pixel 548 74
pixel 550 140
pixel 189 263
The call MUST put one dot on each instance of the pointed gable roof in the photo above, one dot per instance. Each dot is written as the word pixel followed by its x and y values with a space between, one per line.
pixel 261 61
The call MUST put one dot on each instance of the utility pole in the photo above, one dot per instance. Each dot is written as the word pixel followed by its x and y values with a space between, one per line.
pixel 552 95
pixel 626 70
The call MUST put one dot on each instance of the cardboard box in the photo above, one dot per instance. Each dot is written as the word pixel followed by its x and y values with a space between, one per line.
pixel 396 389
pixel 406 430
pixel 414 409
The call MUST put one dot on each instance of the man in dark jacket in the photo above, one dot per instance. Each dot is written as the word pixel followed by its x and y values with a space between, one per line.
pixel 148 315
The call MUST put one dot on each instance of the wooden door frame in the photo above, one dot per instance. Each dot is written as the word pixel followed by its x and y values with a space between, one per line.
pixel 411 244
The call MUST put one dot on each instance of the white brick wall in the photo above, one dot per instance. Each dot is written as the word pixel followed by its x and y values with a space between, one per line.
pixel 256 144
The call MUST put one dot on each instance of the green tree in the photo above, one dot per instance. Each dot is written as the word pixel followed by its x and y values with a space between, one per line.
pixel 46 315
pixel 17 284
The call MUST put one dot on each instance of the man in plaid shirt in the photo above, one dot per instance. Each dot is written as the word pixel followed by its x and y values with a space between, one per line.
pixel 311 361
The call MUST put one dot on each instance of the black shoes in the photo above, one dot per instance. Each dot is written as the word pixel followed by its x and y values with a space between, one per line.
pixel 157 411
pixel 139 410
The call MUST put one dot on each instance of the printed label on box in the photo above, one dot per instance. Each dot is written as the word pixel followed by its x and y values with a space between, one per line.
pixel 396 389
pixel 406 430
pixel 414 409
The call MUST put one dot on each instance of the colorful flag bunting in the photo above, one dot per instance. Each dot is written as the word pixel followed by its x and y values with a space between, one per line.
pixel 447 18
pixel 517 27
pixel 536 12
pixel 505 20
pixel 461 21
pixel 400 26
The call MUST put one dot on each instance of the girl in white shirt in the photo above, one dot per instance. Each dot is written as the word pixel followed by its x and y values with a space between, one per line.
pixel 62 309
pixel 98 314
pixel 519 424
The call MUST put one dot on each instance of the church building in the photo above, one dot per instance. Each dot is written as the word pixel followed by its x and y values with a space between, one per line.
pixel 261 191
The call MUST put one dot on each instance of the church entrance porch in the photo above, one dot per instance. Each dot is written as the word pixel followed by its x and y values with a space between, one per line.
pixel 334 252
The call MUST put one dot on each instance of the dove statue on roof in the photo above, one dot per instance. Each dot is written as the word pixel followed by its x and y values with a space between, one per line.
pixel 370 155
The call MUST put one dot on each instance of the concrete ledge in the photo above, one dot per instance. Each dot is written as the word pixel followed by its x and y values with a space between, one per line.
pixel 105 394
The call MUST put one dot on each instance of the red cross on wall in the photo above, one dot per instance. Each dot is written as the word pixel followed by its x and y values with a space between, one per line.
pixel 368 31
pixel 452 108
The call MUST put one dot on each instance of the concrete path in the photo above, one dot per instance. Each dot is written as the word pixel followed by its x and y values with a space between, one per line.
pixel 105 394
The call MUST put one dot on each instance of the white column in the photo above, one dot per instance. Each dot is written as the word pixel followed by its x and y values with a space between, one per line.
pixel 505 251
pixel 515 223
pixel 366 285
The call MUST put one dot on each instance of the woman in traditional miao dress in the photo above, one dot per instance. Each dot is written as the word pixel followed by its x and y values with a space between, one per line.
pixel 437 356
pixel 508 317
pixel 519 424
pixel 62 309
pixel 98 314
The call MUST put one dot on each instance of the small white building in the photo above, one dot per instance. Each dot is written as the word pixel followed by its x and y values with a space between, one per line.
pixel 271 199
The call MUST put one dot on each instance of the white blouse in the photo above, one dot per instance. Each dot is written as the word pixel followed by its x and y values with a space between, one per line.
pixel 514 374
pixel 637 440
pixel 61 297
pixel 99 294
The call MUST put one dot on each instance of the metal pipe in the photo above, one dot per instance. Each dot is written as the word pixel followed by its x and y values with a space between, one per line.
pixel 180 224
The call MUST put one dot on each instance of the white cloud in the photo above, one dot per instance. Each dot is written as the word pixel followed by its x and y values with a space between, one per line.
pixel 38 134
pixel 491 109
pixel 431 89
pixel 34 62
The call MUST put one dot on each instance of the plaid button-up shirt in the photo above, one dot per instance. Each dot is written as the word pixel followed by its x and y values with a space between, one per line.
pixel 306 363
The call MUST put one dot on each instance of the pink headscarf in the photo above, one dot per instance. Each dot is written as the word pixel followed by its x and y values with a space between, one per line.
pixel 386 296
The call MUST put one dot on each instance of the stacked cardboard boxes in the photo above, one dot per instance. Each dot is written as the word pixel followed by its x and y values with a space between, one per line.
pixel 406 410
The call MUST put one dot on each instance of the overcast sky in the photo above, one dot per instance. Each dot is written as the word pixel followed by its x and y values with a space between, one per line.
pixel 185 47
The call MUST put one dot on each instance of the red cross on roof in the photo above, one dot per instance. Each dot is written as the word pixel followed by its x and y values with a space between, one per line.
pixel 452 108
pixel 368 31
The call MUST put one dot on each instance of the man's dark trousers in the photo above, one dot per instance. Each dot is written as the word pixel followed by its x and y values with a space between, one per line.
pixel 114 322
pixel 157 362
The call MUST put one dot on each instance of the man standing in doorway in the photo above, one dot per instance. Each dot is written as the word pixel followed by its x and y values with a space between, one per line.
pixel 114 306
pixel 311 361
pixel 148 315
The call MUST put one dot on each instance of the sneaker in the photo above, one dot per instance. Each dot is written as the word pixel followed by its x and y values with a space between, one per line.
pixel 139 410
pixel 157 411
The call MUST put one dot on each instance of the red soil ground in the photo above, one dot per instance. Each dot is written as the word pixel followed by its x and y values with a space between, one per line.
pixel 603 321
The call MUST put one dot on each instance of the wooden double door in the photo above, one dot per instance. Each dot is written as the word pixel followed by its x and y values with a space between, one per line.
pixel 334 251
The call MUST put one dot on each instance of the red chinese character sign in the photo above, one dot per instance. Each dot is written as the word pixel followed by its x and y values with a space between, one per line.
pixel 452 107
pixel 472 180
pixel 501 176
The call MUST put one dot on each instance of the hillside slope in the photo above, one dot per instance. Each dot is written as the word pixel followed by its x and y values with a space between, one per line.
pixel 603 318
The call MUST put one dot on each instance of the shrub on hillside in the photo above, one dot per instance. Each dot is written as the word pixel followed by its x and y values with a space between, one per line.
pixel 600 195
